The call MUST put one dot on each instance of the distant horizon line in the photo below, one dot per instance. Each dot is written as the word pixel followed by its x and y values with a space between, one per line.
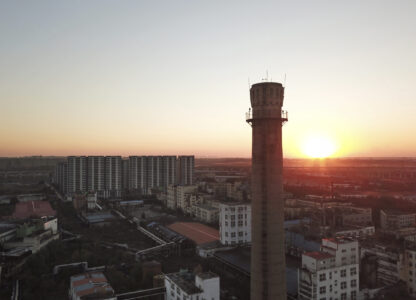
pixel 221 157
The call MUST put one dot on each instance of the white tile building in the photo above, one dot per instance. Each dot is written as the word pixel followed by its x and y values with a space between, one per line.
pixel 187 286
pixel 235 223
pixel 332 273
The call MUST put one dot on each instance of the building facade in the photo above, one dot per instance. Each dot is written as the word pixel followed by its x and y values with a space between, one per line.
pixel 109 176
pixel 186 166
pixel 332 273
pixel 391 219
pixel 235 223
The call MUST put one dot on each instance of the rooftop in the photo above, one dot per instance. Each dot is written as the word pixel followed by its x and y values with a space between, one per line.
pixel 207 275
pixel 340 240
pixel 196 232
pixel 33 208
pixel 93 283
pixel 185 281
pixel 319 255
pixel 206 206
pixel 397 212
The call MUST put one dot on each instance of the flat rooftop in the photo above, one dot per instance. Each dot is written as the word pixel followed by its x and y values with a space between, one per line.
pixel 319 255
pixel 196 232
pixel 185 281
pixel 206 206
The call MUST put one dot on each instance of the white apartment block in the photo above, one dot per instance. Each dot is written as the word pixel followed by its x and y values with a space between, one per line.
pixel 235 223
pixel 187 286
pixel 149 172
pixel 137 173
pixel 332 273
pixel 96 174
pixel 186 165
pixel 77 174
pixel 391 219
pixel 113 175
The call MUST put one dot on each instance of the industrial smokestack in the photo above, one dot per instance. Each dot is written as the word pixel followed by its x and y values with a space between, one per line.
pixel 268 265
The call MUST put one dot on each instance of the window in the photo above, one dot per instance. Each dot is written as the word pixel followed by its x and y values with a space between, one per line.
pixel 344 296
pixel 226 223
pixel 322 277
pixel 353 271
pixel 344 250
pixel 226 233
pixel 232 234
pixel 232 224
pixel 354 295
pixel 322 290
pixel 240 233
pixel 343 285
pixel 330 288
pixel 353 283
pixel 343 273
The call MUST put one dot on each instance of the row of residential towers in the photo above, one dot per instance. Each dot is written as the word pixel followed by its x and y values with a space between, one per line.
pixel 110 175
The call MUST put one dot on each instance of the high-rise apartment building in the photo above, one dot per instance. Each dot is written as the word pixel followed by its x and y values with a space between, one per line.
pixel 110 175
pixel 137 173
pixel 186 166
pixel 77 174
pixel 125 173
pixel 113 175
pixel 61 176
pixel 151 172
pixel 96 174
pixel 332 273
pixel 235 223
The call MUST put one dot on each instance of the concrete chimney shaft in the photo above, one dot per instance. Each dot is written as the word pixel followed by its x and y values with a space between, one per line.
pixel 268 280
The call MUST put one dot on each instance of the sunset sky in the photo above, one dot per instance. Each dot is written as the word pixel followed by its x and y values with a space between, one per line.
pixel 171 77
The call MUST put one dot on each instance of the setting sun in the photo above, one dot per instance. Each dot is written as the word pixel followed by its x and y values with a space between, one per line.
pixel 318 147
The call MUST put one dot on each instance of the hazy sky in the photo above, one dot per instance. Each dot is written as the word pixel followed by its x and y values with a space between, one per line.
pixel 171 77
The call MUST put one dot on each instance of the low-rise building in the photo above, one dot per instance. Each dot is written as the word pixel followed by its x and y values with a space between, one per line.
pixel 92 200
pixel 205 213
pixel 34 235
pixel 394 219
pixel 92 285
pixel 178 196
pixel 387 261
pixel 186 285
pixel 235 223
pixel 332 273
pixel 354 231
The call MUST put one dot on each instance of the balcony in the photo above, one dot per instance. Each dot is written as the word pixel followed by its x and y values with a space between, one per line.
pixel 249 116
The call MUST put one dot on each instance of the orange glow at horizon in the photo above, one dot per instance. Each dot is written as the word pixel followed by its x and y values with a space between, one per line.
pixel 318 146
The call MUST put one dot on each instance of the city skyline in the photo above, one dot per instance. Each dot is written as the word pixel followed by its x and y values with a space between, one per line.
pixel 101 78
